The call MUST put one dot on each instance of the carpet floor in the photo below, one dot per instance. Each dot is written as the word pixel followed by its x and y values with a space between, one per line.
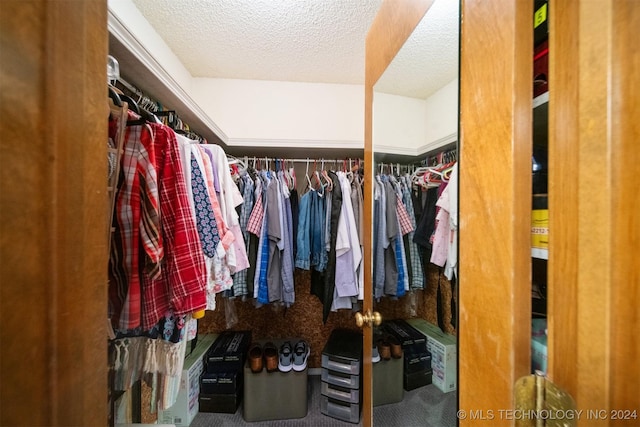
pixel 423 407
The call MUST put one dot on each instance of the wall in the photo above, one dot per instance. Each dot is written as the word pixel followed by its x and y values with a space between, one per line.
pixel 411 126
pixel 398 123
pixel 284 113
pixel 442 117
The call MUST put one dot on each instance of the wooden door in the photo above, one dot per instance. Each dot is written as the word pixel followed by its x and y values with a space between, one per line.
pixel 594 207
pixel 391 27
pixel 53 212
pixel 496 88
pixel 593 290
pixel 594 223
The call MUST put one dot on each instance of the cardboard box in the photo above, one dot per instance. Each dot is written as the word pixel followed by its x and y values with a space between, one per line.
pixel 229 352
pixel 443 351
pixel 186 407
pixel 540 228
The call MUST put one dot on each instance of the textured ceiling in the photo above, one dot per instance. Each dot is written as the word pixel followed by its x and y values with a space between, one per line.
pixel 429 58
pixel 288 40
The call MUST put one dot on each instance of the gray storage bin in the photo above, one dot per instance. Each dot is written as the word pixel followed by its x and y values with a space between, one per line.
pixel 340 379
pixel 341 393
pixel 274 395
pixel 388 382
pixel 341 410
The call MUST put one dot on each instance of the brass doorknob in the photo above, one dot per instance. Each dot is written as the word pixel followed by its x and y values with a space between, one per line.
pixel 369 319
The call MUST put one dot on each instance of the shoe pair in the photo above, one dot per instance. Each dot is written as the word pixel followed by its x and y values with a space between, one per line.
pixel 289 358
pixel 293 358
pixel 260 357
pixel 389 347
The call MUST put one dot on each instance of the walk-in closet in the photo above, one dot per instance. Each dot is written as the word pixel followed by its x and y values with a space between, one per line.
pixel 264 249
pixel 284 248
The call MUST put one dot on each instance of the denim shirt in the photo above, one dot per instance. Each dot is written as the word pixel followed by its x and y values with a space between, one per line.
pixel 319 256
pixel 303 237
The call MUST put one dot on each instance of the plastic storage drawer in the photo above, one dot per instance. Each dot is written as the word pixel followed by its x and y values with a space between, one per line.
pixel 341 410
pixel 351 367
pixel 341 393
pixel 340 379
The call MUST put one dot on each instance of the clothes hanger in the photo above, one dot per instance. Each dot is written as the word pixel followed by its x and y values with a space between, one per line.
pixel 327 179
pixel 133 105
pixel 294 180
pixel 309 183
pixel 115 97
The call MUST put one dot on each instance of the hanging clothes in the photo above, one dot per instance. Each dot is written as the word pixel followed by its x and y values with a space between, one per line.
pixel 152 196
pixel 348 253
pixel 332 227
pixel 157 270
pixel 246 186
pixel 416 279
pixel 287 256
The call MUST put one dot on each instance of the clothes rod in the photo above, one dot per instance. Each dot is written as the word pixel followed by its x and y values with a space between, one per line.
pixel 310 159
pixel 129 86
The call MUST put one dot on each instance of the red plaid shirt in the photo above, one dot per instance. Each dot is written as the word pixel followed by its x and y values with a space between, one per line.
pixel 153 213
pixel 137 223
pixel 181 286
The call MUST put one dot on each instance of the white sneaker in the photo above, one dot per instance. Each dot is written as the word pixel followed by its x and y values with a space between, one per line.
pixel 300 355
pixel 375 355
pixel 286 357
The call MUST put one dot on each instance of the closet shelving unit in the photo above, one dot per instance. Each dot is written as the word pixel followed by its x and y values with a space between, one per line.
pixel 540 138
pixel 539 256
pixel 539 201
pixel 144 71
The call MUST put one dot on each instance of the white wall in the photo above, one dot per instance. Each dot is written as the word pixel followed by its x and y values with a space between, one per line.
pixel 411 126
pixel 284 113
pixel 442 117
pixel 398 123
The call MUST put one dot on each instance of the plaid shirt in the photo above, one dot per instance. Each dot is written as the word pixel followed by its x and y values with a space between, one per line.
pixel 403 217
pixel 254 225
pixel 417 274
pixel 240 286
pixel 182 283
pixel 137 227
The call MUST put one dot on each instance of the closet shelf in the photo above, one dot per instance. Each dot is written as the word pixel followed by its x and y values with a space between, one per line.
pixel 147 74
pixel 139 68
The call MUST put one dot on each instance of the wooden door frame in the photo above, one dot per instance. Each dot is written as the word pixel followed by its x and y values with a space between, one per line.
pixel 392 26
pixel 53 215
pixel 495 190
pixel 594 223
pixel 496 65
